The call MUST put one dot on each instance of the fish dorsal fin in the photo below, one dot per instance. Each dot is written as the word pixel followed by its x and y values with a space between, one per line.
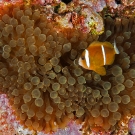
pixel 105 44
pixel 115 48
pixel 95 43
pixel 98 43
pixel 100 70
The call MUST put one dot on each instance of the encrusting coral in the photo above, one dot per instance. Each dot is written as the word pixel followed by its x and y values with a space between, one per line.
pixel 47 88
pixel 6 117
pixel 8 123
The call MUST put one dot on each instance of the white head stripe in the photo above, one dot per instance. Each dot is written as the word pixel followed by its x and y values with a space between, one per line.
pixel 103 52
pixel 87 57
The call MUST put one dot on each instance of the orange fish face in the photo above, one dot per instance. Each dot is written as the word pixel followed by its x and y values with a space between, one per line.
pixel 84 60
pixel 97 55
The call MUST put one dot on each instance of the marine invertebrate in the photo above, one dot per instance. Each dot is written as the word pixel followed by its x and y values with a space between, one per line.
pixel 6 117
pixel 32 70
pixel 47 88
pixel 118 84
pixel 132 125
pixel 72 129
pixel 8 123
pixel 84 14
pixel 74 14
pixel 122 8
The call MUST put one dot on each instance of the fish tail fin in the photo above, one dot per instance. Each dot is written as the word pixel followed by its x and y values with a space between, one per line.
pixel 100 70
pixel 115 48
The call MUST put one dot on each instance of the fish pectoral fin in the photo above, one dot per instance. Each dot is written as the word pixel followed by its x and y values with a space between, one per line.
pixel 100 70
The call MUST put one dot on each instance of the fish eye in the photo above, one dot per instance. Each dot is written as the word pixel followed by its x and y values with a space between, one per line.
pixel 82 58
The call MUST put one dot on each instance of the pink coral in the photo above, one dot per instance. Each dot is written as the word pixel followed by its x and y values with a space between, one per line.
pixel 72 129
pixel 10 126
pixel 8 123
pixel 131 125
pixel 111 3
pixel 6 117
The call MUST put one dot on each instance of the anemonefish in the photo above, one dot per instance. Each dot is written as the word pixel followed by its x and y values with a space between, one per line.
pixel 97 55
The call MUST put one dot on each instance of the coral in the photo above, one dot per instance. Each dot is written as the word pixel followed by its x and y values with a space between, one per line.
pixel 86 20
pixel 72 129
pixel 131 125
pixel 10 126
pixel 76 15
pixel 6 117
pixel 8 123
pixel 121 8
pixel 84 14
pixel 47 88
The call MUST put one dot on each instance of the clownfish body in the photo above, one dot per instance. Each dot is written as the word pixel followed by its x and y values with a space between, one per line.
pixel 97 55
